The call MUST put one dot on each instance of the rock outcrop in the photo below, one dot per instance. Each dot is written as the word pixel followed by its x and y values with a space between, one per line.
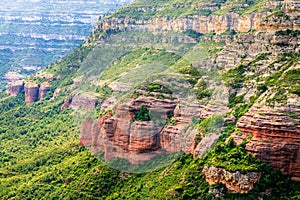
pixel 31 92
pixel 121 136
pixel 275 136
pixel 15 88
pixel 264 21
pixel 44 88
pixel 234 181
pixel 253 44
pixel 82 101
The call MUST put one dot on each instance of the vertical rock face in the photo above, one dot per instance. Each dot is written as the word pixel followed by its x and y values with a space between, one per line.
pixel 84 101
pixel 137 141
pixel 235 182
pixel 254 44
pixel 15 88
pixel 275 137
pixel 31 92
pixel 43 90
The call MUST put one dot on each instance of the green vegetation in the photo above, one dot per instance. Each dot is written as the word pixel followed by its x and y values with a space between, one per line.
pixel 202 90
pixel 136 59
pixel 157 87
pixel 180 8
pixel 235 77
pixel 289 32
pixel 143 114
pixel 212 124
pixel 104 91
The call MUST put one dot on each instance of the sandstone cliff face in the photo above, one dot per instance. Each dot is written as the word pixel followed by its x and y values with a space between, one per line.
pixel 235 182
pixel 291 6
pixel 44 88
pixel 275 136
pixel 218 23
pixel 15 88
pixel 31 92
pixel 201 24
pixel 137 141
pixel 253 44
pixel 82 101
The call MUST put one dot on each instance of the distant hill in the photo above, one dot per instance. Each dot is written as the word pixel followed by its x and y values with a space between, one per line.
pixel 34 34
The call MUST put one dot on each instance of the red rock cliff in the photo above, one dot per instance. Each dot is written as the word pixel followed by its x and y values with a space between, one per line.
pixel 15 88
pixel 120 136
pixel 275 137
pixel 43 90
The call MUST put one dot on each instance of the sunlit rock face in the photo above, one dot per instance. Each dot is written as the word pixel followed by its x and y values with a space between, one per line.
pixel 234 181
pixel 275 136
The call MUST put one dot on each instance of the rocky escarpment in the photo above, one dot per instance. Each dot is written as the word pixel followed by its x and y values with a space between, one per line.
pixel 33 92
pixel 44 88
pixel 119 135
pixel 275 136
pixel 234 181
pixel 252 44
pixel 264 21
pixel 15 88
pixel 291 6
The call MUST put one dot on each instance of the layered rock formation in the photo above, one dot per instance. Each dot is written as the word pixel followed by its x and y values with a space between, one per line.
pixel 234 181
pixel 275 136
pixel 120 136
pixel 44 88
pixel 15 88
pixel 82 101
pixel 252 44
pixel 31 92
pixel 213 23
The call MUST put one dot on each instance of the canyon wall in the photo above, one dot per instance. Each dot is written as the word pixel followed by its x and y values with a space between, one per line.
pixel 264 21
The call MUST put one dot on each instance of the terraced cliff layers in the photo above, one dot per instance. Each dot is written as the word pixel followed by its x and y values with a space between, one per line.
pixel 253 48
pixel 275 136
pixel 262 21
pixel 119 135
pixel 32 91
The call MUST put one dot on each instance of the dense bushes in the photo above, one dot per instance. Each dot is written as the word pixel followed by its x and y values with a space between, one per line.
pixel 143 114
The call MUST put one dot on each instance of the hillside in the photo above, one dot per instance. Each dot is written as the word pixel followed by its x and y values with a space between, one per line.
pixel 165 100
pixel 36 33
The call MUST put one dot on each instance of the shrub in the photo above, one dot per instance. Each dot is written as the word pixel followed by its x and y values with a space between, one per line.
pixel 143 114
